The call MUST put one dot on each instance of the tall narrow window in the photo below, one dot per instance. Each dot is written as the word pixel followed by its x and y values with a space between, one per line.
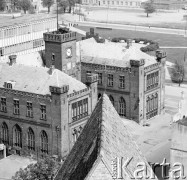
pixel 122 107
pixel 111 99
pixel 17 136
pixel 29 109
pixel 16 106
pixel 44 142
pixel 4 137
pixel 74 111
pixel 75 135
pixel 43 111
pixel 3 104
pixel 99 78
pixel 122 82
pixel 110 79
pixel 31 139
pixel 85 105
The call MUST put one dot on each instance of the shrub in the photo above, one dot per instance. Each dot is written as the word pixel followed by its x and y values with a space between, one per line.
pixel 153 46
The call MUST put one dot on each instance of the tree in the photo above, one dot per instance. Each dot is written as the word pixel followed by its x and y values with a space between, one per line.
pixel 64 4
pixel 2 5
pixel 14 4
pixel 25 5
pixel 178 72
pixel 48 4
pixel 149 8
pixel 44 169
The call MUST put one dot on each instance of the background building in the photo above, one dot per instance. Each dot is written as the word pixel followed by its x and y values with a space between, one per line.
pixel 42 111
pixel 178 150
pixel 24 38
pixel 114 3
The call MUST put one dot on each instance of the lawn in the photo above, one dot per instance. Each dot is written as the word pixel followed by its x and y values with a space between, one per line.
pixel 163 40
pixel 167 19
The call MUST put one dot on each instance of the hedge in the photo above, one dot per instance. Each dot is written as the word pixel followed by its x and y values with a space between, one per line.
pixel 153 46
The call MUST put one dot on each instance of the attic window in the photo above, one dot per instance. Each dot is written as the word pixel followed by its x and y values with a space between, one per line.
pixel 9 85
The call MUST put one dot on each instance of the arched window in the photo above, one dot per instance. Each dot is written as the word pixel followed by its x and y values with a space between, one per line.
pixel 111 99
pixel 4 133
pixel 31 139
pixel 17 136
pixel 122 107
pixel 44 142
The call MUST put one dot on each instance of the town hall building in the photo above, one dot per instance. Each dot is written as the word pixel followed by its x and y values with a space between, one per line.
pixel 42 110
pixel 133 80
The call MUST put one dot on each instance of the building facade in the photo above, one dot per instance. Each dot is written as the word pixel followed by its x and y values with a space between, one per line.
pixel 170 4
pixel 24 38
pixel 42 110
pixel 133 80
pixel 114 3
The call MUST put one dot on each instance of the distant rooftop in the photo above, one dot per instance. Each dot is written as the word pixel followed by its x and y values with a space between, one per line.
pixel 37 79
pixel 110 53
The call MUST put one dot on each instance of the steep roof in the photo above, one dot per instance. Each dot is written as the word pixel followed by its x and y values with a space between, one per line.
pixel 103 138
pixel 110 53
pixel 36 79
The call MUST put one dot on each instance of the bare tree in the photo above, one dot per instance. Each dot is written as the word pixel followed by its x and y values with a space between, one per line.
pixel 48 4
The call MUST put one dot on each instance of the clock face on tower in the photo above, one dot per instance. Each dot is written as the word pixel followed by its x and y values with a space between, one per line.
pixel 68 52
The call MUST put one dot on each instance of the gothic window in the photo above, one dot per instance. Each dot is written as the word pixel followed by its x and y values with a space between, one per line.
pixel 44 142
pixel 31 139
pixel 152 106
pixel 43 111
pixel 17 136
pixel 111 99
pixel 29 109
pixel 79 109
pixel 110 80
pixel 152 80
pixel 3 104
pixel 4 137
pixel 122 107
pixel 122 82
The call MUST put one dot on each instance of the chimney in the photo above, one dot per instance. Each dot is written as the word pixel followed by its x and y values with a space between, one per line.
pixel 52 67
pixel 129 43
pixel 12 59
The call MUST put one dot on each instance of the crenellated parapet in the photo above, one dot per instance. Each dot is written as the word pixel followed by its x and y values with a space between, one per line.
pixel 78 94
pixel 91 78
pixel 152 67
pixel 137 63
pixel 59 90
pixel 56 36
pixel 26 94
pixel 103 67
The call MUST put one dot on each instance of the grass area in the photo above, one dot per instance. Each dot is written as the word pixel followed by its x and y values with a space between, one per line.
pixel 163 40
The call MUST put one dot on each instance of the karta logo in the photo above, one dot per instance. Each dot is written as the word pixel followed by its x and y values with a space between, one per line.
pixel 143 170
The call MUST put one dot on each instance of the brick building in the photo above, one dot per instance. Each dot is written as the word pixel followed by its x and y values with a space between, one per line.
pixel 42 110
pixel 132 79
pixel 103 145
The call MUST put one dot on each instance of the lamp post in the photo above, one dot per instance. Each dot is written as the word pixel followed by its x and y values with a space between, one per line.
pixel 57 13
